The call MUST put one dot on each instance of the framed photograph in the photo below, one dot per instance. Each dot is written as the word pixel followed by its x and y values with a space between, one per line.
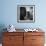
pixel 26 13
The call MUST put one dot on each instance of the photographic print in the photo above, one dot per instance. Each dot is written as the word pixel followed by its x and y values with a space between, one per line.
pixel 26 13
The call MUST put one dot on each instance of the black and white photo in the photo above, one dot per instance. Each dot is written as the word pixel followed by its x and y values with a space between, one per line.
pixel 26 13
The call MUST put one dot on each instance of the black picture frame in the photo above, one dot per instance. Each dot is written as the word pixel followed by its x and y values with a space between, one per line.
pixel 25 13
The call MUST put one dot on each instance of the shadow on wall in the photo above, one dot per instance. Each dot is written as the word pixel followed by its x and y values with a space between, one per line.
pixel 2 26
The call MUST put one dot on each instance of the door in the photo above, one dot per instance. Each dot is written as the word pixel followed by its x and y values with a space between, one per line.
pixel 37 40
pixel 13 40
pixel 27 39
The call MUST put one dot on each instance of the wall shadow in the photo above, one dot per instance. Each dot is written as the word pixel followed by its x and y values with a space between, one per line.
pixel 2 29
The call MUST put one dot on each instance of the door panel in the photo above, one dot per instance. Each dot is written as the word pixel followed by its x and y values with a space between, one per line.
pixel 27 41
pixel 13 40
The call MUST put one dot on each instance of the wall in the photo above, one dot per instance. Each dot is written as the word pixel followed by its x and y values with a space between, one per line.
pixel 9 13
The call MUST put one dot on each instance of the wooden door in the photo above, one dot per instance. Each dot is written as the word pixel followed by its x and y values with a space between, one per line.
pixel 37 40
pixel 13 40
pixel 27 39
pixel 34 39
